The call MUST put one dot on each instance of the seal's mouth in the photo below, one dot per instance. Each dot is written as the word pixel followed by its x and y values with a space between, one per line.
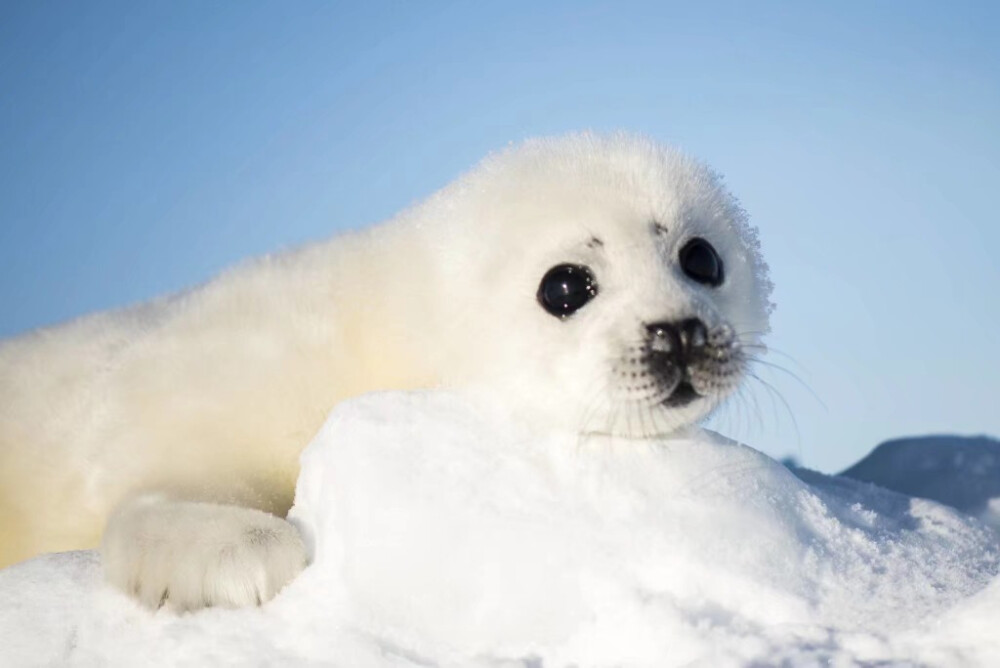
pixel 682 395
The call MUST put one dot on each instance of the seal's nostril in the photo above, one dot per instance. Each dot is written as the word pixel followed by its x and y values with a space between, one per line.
pixel 693 334
pixel 679 339
pixel 663 338
pixel 660 330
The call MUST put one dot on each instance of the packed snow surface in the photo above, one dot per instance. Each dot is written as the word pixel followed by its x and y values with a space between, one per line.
pixel 445 535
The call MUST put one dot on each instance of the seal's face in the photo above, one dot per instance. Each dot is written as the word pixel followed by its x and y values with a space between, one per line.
pixel 665 369
pixel 626 289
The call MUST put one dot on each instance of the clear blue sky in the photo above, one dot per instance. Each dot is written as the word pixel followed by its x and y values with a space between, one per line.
pixel 146 145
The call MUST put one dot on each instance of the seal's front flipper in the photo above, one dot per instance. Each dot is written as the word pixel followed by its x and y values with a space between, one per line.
pixel 189 555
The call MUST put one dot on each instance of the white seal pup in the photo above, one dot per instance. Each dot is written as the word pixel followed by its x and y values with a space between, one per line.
pixel 601 284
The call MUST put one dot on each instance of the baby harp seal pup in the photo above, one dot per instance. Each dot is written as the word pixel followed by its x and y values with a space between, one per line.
pixel 605 284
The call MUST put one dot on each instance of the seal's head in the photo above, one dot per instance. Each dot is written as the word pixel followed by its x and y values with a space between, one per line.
pixel 607 284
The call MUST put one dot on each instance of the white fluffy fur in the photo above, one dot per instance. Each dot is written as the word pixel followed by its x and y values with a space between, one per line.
pixel 210 396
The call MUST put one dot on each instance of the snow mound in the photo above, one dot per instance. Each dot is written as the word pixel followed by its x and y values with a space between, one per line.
pixel 445 535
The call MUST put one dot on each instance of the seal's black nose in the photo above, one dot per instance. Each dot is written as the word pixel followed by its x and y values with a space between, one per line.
pixel 672 348
pixel 677 339
pixel 693 335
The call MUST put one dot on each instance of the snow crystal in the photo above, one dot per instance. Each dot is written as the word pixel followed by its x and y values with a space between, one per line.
pixel 442 533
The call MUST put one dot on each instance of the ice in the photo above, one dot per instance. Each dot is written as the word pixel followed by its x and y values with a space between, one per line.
pixel 443 533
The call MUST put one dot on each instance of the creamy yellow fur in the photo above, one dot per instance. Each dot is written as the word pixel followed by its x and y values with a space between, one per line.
pixel 218 390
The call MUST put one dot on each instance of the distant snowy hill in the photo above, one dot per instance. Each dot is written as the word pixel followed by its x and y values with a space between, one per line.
pixel 442 534
pixel 960 471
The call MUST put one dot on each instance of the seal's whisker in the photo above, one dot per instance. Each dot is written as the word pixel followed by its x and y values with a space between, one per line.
pixel 776 395
pixel 598 399
pixel 731 413
pixel 768 349
pixel 657 415
pixel 791 374
pixel 756 409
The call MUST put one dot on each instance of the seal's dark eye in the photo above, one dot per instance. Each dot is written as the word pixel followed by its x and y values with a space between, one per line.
pixel 701 263
pixel 565 288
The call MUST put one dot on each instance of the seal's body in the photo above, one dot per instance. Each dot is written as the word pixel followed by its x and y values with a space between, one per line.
pixel 600 284
pixel 210 394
